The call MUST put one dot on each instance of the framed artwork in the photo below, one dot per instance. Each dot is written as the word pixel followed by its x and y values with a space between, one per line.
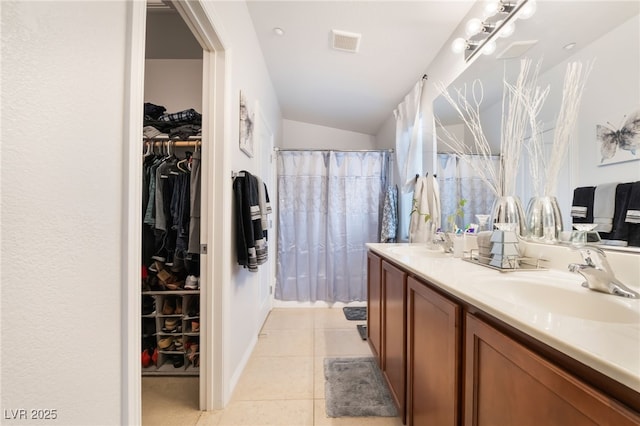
pixel 622 143
pixel 246 127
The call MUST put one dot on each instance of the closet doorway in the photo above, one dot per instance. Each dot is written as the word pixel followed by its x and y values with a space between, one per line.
pixel 172 175
pixel 207 98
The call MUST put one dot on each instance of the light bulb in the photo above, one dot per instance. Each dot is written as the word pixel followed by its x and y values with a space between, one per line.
pixel 507 29
pixel 489 48
pixel 473 27
pixel 459 45
pixel 527 10
pixel 491 7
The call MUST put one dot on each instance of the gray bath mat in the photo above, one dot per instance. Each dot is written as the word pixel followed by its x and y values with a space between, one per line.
pixel 355 313
pixel 354 387
pixel 362 331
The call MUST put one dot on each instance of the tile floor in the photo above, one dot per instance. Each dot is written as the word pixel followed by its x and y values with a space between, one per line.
pixel 283 383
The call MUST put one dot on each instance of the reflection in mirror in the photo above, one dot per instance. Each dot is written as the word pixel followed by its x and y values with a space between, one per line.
pixel 606 32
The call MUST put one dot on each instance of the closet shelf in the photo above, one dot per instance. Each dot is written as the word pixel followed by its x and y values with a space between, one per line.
pixel 170 292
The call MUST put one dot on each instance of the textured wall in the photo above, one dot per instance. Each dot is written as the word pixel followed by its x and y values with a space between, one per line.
pixel 62 125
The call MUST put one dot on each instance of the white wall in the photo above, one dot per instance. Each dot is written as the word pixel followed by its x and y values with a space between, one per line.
pixel 175 84
pixel 63 68
pixel 613 91
pixel 299 135
pixel 246 70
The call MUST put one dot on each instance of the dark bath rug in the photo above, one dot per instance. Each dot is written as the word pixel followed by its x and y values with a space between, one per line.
pixel 354 387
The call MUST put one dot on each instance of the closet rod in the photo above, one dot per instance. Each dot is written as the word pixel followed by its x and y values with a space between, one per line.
pixel 175 143
pixel 334 150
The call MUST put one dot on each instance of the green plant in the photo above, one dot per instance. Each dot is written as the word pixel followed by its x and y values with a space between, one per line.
pixel 459 213
pixel 415 209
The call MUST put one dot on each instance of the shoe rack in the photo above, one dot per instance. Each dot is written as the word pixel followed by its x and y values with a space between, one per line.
pixel 171 332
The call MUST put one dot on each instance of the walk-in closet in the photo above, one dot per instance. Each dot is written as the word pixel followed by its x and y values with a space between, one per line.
pixel 171 148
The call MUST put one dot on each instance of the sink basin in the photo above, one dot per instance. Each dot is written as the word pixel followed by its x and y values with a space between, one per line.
pixel 561 295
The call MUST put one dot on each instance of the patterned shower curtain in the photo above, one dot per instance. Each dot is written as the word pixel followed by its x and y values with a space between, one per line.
pixel 458 181
pixel 329 206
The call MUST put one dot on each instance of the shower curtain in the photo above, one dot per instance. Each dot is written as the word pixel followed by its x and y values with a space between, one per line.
pixel 329 205
pixel 458 181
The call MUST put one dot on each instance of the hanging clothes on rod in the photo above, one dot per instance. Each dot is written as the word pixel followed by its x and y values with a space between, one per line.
pixel 171 213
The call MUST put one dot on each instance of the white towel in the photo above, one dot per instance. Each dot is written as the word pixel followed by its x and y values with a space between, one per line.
pixel 427 201
pixel 416 223
pixel 604 203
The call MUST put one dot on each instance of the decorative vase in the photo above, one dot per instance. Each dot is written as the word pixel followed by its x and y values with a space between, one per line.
pixel 508 209
pixel 544 220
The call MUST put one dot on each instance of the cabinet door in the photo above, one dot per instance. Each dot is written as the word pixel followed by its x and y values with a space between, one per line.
pixel 507 384
pixel 374 305
pixel 433 351
pixel 394 288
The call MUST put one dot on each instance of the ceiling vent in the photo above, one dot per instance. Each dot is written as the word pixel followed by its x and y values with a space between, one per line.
pixel 345 41
pixel 516 49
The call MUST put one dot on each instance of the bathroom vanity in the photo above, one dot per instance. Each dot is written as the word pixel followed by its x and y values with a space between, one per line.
pixel 460 344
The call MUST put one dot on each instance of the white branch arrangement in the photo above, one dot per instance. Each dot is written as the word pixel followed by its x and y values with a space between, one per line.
pixel 469 112
pixel 517 101
pixel 521 104
pixel 575 79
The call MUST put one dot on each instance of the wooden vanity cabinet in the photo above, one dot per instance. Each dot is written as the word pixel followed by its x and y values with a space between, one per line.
pixel 449 363
pixel 433 357
pixel 508 384
pixel 394 290
pixel 374 305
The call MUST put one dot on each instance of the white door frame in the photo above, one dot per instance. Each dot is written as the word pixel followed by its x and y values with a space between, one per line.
pixel 214 96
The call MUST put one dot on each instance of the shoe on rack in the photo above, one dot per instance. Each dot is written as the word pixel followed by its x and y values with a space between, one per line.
pixel 178 310
pixel 169 307
pixel 146 359
pixel 178 361
pixel 176 285
pixel 195 326
pixel 166 343
pixel 156 267
pixel 154 357
pixel 192 283
pixel 170 324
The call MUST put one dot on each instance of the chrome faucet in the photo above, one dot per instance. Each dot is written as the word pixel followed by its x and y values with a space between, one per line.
pixel 599 275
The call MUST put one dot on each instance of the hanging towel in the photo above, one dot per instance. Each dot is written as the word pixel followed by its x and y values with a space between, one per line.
pixel 250 242
pixel 419 204
pixel 426 200
pixel 389 226
pixel 620 232
pixel 433 188
pixel 604 201
pixel 633 208
pixel 582 206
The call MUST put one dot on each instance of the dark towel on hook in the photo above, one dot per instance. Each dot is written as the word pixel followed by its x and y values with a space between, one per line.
pixel 582 206
pixel 620 229
pixel 633 215
pixel 633 207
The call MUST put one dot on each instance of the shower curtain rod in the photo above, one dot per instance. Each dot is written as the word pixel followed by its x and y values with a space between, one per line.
pixel 334 150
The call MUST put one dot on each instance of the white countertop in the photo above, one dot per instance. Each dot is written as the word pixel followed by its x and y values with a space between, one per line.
pixel 600 330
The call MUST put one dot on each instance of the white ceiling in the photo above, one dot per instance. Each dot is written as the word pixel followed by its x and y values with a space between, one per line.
pixel 358 91
pixel 350 91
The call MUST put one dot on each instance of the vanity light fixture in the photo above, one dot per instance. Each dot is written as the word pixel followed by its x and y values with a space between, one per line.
pixel 497 20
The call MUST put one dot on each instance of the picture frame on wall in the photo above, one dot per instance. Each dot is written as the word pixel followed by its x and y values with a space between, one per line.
pixel 620 143
pixel 246 127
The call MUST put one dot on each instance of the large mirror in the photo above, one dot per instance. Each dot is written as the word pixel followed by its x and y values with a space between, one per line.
pixel 605 32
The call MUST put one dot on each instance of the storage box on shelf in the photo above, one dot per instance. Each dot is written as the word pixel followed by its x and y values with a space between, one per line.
pixel 174 326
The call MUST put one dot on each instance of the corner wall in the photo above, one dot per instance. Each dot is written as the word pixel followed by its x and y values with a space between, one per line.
pixel 61 208
pixel 299 135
